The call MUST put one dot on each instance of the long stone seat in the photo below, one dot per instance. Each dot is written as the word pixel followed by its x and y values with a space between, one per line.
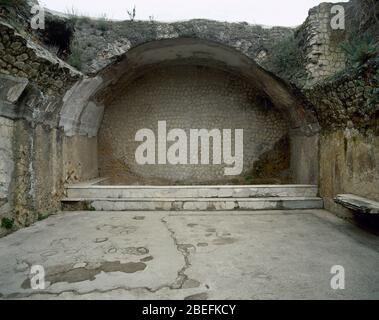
pixel 197 204
pixel 261 191
pixel 358 204
pixel 191 198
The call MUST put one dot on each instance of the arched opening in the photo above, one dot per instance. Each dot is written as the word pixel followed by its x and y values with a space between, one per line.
pixel 190 97
pixel 197 84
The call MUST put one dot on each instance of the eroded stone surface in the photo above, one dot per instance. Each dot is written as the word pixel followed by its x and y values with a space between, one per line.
pixel 246 257
pixel 11 88
pixel 22 57
pixel 6 155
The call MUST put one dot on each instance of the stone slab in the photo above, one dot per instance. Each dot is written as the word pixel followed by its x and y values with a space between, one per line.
pixel 196 204
pixel 358 204
pixel 91 191
pixel 11 88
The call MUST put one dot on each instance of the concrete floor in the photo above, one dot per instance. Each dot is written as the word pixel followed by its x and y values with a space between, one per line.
pixel 163 255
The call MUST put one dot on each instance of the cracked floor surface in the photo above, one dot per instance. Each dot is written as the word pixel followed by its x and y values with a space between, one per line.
pixel 164 255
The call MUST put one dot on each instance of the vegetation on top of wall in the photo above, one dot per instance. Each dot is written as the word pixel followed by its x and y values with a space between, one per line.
pixel 132 13
pixel 12 3
pixel 16 13
pixel 362 58
pixel 286 60
pixel 103 23
pixel 359 49
pixel 349 98
pixel 358 41
pixel 77 19
pixel 75 57
pixel 362 16
pixel 57 35
pixel 77 53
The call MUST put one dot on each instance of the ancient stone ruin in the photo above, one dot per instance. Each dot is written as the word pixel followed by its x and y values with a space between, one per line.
pixel 73 96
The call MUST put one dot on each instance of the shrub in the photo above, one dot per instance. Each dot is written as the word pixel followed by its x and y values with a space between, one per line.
pixel 77 18
pixel 12 3
pixel 132 13
pixel 103 23
pixel 286 59
pixel 75 57
pixel 360 49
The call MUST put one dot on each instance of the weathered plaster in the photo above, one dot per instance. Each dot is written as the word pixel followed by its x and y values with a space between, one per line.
pixel 80 159
pixel 349 163
pixel 6 163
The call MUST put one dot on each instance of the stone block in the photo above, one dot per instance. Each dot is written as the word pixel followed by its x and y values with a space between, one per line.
pixel 11 88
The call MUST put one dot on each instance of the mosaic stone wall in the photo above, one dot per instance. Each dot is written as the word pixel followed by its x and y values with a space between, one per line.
pixel 190 97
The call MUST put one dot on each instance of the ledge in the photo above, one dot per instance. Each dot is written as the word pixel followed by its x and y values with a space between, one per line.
pixel 358 204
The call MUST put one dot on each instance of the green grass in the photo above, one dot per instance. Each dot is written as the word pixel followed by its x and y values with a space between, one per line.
pixel 103 22
pixel 75 58
pixel 76 17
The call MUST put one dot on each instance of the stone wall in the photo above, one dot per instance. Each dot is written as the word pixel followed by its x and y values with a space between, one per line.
pixel 305 159
pixel 350 100
pixel 19 56
pixel 80 160
pixel 33 82
pixel 55 114
pixel 346 102
pixel 36 183
pixel 50 112
pixel 97 44
pixel 6 163
pixel 320 44
pixel 348 110
pixel 190 97
pixel 349 163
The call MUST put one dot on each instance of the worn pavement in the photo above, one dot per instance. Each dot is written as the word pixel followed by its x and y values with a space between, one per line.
pixel 215 255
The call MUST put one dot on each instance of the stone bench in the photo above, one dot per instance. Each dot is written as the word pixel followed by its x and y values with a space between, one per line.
pixel 358 204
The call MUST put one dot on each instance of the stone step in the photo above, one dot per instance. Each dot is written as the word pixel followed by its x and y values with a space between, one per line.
pixel 192 204
pixel 261 191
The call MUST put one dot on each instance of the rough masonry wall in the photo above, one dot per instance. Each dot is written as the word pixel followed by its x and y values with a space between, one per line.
pixel 190 97
pixel 6 163
pixel 37 186
pixel 320 44
pixel 348 111
pixel 349 163
pixel 350 100
pixel 32 167
pixel 346 103
pixel 97 44
pixel 19 56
